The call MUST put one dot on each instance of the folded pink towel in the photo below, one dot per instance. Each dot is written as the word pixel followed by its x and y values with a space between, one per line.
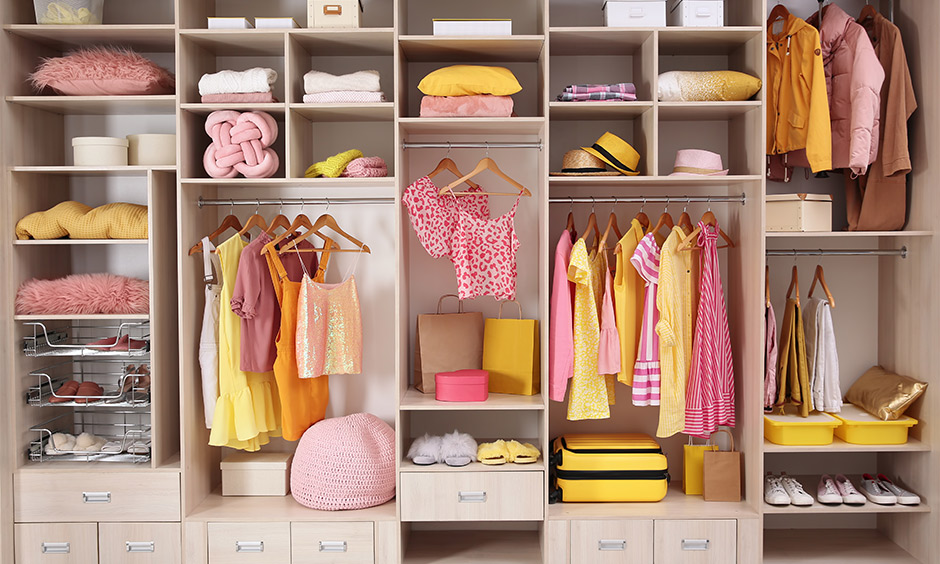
pixel 241 143
pixel 243 98
pixel 344 97
pixel 483 105
pixel 366 167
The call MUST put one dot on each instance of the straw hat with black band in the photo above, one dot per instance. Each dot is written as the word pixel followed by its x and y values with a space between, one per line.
pixel 617 153
pixel 578 162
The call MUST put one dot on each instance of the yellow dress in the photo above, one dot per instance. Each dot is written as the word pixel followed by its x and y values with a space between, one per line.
pixel 247 412
pixel 628 302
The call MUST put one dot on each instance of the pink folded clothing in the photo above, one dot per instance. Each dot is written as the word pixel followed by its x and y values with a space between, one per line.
pixel 240 98
pixel 620 87
pixel 483 105
pixel 125 343
pixel 366 167
pixel 345 97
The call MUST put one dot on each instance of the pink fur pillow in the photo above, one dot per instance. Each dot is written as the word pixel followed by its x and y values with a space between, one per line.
pixel 82 294
pixel 103 71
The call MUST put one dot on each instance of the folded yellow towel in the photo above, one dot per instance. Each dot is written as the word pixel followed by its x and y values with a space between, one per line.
pixel 78 221
pixel 333 166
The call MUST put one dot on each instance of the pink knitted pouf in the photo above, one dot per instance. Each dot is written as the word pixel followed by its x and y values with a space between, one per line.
pixel 345 463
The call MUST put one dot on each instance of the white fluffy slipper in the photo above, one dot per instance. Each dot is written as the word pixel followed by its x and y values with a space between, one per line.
pixel 458 449
pixel 425 450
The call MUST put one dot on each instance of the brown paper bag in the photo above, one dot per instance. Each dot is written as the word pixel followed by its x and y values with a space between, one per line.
pixel 445 342
pixel 722 474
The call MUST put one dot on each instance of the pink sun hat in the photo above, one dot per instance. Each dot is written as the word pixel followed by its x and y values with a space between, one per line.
pixel 697 162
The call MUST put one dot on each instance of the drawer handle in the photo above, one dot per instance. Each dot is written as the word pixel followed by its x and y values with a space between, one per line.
pixel 695 544
pixel 332 10
pixel 96 497
pixel 332 546
pixel 249 546
pixel 611 544
pixel 139 546
pixel 471 497
pixel 56 548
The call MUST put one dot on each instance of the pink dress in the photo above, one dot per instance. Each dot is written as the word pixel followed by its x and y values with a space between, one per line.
pixel 561 322
pixel 710 395
pixel 484 255
pixel 770 378
pixel 434 217
pixel 608 348
pixel 646 371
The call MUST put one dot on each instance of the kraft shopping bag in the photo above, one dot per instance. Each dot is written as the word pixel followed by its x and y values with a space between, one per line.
pixel 445 342
pixel 693 457
pixel 722 473
pixel 511 354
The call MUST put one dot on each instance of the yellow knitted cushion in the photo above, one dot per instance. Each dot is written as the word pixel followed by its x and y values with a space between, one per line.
pixel 333 166
pixel 78 221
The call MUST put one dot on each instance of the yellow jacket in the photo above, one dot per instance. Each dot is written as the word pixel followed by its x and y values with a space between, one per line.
pixel 797 104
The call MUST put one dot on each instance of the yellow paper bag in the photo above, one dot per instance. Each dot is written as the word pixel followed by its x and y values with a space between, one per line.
pixel 511 354
pixel 693 462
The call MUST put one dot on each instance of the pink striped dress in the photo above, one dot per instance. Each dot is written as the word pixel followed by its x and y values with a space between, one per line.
pixel 646 369
pixel 710 395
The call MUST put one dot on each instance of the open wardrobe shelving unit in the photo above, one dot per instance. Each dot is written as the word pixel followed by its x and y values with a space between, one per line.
pixel 171 497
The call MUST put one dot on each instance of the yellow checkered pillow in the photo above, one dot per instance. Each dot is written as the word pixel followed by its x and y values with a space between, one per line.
pixel 78 221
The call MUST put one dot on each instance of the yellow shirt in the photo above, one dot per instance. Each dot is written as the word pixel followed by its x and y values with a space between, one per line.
pixel 628 302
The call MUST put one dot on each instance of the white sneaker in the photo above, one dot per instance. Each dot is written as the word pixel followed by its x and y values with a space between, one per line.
pixel 774 494
pixel 849 494
pixel 875 492
pixel 904 497
pixel 794 489
pixel 827 492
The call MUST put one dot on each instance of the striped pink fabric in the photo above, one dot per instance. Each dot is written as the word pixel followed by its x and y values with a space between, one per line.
pixel 646 369
pixel 710 394
pixel 620 87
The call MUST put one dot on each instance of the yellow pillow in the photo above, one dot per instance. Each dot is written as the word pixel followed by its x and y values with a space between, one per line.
pixel 469 80
pixel 78 221
pixel 708 86
pixel 884 394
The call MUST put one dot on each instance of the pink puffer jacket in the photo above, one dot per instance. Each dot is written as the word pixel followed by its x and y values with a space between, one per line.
pixel 853 80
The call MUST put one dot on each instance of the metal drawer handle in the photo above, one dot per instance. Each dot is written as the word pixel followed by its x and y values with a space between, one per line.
pixel 96 497
pixel 139 546
pixel 611 544
pixel 332 546
pixel 332 10
pixel 471 497
pixel 695 544
pixel 249 546
pixel 56 548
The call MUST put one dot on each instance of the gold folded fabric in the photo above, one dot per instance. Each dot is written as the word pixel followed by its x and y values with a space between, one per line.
pixel 884 394
pixel 78 221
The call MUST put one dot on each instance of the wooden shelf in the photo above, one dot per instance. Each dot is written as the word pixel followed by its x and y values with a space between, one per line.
pixel 409 466
pixel 832 546
pixel 706 40
pixel 574 111
pixel 92 170
pixel 238 42
pixel 99 105
pixel 276 109
pixel 715 111
pixel 596 40
pixel 676 505
pixel 84 317
pixel 492 547
pixel 382 111
pixel 253 509
pixel 430 48
pixel 346 42
pixel 591 182
pixel 146 37
pixel 473 126
pixel 838 445
pixel 845 234
pixel 417 401
pixel 377 186
pixel 71 242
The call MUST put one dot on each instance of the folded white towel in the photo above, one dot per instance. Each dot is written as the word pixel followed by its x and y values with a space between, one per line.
pixel 237 82
pixel 316 82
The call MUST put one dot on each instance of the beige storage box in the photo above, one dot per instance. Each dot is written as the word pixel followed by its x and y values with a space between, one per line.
pixel 99 151
pixel 256 473
pixel 697 13
pixel 151 149
pixel 333 13
pixel 799 212
pixel 635 13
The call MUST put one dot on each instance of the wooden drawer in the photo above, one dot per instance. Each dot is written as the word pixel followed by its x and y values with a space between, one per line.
pixel 332 543
pixel 472 496
pixel 62 543
pixel 103 496
pixel 610 542
pixel 139 543
pixel 257 543
pixel 696 542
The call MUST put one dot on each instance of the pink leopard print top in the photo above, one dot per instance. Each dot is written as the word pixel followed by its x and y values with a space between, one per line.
pixel 484 255
pixel 434 217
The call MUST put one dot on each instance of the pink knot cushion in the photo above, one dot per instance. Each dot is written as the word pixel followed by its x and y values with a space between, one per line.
pixel 366 167
pixel 83 294
pixel 241 144
pixel 103 71
pixel 345 463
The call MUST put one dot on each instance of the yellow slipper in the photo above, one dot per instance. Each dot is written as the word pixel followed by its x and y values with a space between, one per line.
pixel 522 453
pixel 493 454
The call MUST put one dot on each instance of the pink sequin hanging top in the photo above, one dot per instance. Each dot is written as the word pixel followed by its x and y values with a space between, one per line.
pixel 484 255
pixel 434 217
pixel 329 329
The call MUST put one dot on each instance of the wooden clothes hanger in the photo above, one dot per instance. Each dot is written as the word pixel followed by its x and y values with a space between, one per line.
pixel 449 165
pixel 300 221
pixel 794 285
pixel 779 12
pixel 709 218
pixel 611 225
pixel 256 220
pixel 326 220
pixel 868 11
pixel 664 220
pixel 592 228
pixel 228 222
pixel 820 276
pixel 485 163
pixel 280 220
pixel 644 222
pixel 685 221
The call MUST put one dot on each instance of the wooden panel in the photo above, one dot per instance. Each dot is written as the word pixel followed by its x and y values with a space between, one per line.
pixel 65 543
pixel 195 543
pixel 332 543
pixel 254 543
pixel 139 543
pixel 695 542
pixel 612 542
pixel 557 541
pixel 749 542
pixel 386 542
pixel 471 496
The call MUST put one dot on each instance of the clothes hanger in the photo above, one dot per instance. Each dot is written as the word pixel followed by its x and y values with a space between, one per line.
pixel 611 224
pixel 300 221
pixel 591 228
pixel 664 220
pixel 685 221
pixel 326 220
pixel 868 11
pixel 486 163
pixel 794 285
pixel 767 286
pixel 642 219
pixel 230 221
pixel 709 218
pixel 779 12
pixel 570 226
pixel 279 221
pixel 449 165
pixel 255 220
pixel 820 276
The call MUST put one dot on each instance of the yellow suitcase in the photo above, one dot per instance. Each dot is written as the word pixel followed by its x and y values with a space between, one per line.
pixel 612 468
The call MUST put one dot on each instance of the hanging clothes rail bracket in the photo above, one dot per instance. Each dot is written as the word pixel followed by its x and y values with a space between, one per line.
pixel 742 199
pixel 463 145
pixel 295 201
pixel 902 252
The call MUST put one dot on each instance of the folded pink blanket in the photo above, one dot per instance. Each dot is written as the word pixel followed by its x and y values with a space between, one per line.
pixel 366 167
pixel 483 105
pixel 344 97
pixel 243 98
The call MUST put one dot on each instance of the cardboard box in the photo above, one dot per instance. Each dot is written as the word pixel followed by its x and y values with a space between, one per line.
pixel 333 13
pixel 256 474
pixel 635 13
pixel 799 212
pixel 458 27
pixel 697 13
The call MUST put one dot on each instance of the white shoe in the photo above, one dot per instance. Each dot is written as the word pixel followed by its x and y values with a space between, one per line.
pixel 426 450
pixel 774 494
pixel 794 489
pixel 849 494
pixel 458 449
pixel 875 492
pixel 904 497
pixel 827 492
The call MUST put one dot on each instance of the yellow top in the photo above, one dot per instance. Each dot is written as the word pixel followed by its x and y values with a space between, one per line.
pixel 78 221
pixel 628 302
pixel 333 166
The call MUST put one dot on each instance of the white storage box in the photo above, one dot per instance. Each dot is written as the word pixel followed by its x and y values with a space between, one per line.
pixel 275 23
pixel 69 12
pixel 697 13
pixel 99 151
pixel 799 212
pixel 256 473
pixel 635 13
pixel 333 13
pixel 229 23
pixel 456 27
pixel 151 149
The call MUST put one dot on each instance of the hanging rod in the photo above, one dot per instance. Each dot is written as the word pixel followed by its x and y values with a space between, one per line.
pixel 742 199
pixel 483 145
pixel 902 252
pixel 294 201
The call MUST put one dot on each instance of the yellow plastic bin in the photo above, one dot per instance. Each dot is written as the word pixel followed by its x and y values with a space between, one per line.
pixel 862 428
pixel 795 430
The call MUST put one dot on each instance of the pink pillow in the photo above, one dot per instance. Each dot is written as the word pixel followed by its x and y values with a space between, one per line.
pixel 79 294
pixel 103 71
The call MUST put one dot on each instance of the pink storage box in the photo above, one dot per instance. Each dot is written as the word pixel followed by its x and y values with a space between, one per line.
pixel 462 385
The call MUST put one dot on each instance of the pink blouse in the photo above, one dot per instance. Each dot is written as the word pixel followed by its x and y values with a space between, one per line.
pixel 608 348
pixel 561 322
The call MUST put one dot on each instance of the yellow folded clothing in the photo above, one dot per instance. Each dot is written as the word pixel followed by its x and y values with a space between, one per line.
pixel 333 166
pixel 78 221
